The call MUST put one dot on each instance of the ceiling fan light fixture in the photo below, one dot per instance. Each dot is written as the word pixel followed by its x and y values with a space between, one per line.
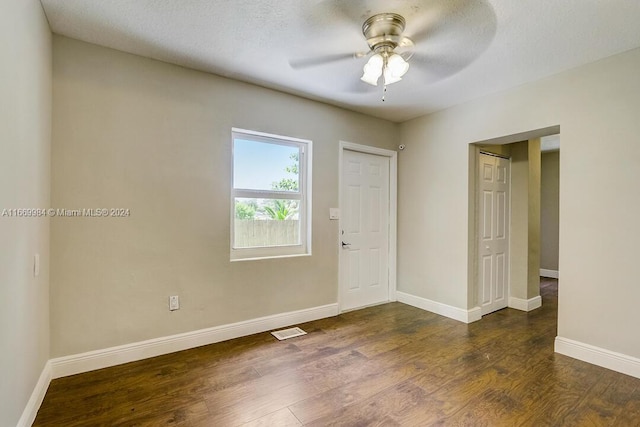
pixel 384 34
pixel 373 70
pixel 389 78
pixel 397 65
pixel 394 69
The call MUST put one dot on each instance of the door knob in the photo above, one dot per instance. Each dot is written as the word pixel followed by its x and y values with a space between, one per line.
pixel 345 245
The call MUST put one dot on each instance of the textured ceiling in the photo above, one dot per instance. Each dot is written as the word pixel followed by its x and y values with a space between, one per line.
pixel 464 48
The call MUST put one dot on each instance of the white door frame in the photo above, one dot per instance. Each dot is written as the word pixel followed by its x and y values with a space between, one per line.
pixel 393 208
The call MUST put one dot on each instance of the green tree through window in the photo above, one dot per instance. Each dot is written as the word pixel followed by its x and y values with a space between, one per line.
pixel 246 210
pixel 285 209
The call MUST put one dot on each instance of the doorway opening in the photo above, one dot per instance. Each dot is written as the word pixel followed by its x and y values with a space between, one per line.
pixel 521 268
pixel 550 206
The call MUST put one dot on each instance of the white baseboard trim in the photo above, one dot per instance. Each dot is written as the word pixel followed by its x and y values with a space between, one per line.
pixel 460 314
pixel 598 356
pixel 554 274
pixel 525 304
pixel 98 359
pixel 37 396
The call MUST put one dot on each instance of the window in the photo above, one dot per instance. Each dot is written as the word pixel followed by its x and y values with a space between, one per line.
pixel 270 196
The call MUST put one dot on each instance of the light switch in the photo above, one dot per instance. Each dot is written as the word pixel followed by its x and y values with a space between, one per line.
pixel 334 213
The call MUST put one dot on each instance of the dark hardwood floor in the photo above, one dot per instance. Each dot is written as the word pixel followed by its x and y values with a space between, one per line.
pixel 390 365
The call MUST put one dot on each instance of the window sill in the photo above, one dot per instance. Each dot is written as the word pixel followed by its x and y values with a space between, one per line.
pixel 259 258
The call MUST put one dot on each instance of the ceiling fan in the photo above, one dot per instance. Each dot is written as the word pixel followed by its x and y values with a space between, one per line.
pixel 389 50
pixel 445 37
pixel 384 34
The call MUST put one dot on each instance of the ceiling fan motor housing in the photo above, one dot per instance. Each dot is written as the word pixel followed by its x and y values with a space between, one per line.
pixel 383 31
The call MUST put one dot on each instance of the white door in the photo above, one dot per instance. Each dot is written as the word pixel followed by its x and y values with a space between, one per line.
pixel 493 230
pixel 364 253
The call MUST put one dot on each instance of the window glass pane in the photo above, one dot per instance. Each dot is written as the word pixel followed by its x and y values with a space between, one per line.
pixel 266 222
pixel 264 166
pixel 269 196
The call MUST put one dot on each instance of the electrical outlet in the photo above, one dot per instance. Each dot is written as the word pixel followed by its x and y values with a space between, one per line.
pixel 174 303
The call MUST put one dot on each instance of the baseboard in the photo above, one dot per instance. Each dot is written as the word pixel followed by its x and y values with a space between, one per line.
pixel 525 304
pixel 98 359
pixel 618 362
pixel 460 314
pixel 554 274
pixel 37 396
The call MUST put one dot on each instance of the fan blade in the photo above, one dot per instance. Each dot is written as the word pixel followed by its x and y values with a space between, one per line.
pixel 454 34
pixel 455 19
pixel 314 61
pixel 436 67
pixel 339 12
pixel 357 86
pixel 452 37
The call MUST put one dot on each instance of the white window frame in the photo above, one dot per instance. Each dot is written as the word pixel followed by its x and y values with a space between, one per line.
pixel 303 195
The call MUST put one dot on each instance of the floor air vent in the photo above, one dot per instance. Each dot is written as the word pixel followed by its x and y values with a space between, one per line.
pixel 288 333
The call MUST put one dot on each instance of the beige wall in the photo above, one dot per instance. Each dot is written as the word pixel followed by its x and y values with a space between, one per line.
pixel 155 138
pixel 525 219
pixel 596 107
pixel 549 210
pixel 25 135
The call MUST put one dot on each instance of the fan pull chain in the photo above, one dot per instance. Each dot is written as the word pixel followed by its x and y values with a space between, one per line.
pixel 384 92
